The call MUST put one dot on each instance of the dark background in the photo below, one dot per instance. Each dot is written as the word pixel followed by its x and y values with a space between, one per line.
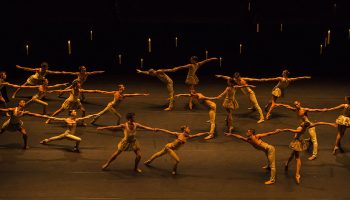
pixel 123 27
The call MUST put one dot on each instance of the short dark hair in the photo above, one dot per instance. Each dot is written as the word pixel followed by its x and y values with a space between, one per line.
pixel 80 67
pixel 236 75
pixel 130 116
pixel 183 128
pixel 44 64
pixel 194 58
pixel 252 130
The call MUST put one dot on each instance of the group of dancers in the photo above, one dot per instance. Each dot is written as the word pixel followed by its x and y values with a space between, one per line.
pixel 129 142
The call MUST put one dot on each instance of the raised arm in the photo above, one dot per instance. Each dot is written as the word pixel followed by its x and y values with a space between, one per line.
pixel 262 79
pixel 167 131
pixel 121 126
pixel 237 136
pixel 135 95
pixel 142 72
pixel 206 61
pixel 286 106
pixel 27 68
pixel 146 127
pixel 94 72
pixel 223 76
pixel 299 78
pixel 57 85
pixel 198 135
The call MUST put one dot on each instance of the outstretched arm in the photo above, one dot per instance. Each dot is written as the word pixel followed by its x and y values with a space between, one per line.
pixel 94 72
pixel 206 61
pixel 198 135
pixel 182 95
pixel 59 91
pixel 121 126
pixel 61 72
pixel 262 79
pixel 237 136
pixel 222 94
pixel 260 135
pixel 6 109
pixel 145 127
pixel 142 72
pixel 323 123
pixel 12 85
pixel 57 85
pixel 242 86
pixel 95 91
pixel 27 68
pixel 175 69
pixel 337 107
pixel 299 78
pixel 167 131
pixel 135 95
pixel 86 117
pixel 223 76
pixel 286 106
pixel 44 116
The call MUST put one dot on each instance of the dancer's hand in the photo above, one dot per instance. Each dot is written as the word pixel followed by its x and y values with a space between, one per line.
pixel 228 134
pixel 138 71
pixel 218 76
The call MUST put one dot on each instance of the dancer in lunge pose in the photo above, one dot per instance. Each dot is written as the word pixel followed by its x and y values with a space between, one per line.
pixel 230 103
pixel 302 115
pixel 38 77
pixel 298 144
pixel 161 75
pixel 69 134
pixel 129 141
pixel 181 139
pixel 14 123
pixel 210 104
pixel 255 140
pixel 192 79
pixel 82 75
pixel 111 106
pixel 3 91
pixel 242 81
pixel 343 122
pixel 73 101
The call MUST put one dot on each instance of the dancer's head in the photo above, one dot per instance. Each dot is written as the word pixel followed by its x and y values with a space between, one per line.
pixel 185 129
pixel 130 117
pixel 297 104
pixel 3 75
pixel 82 68
pixel 44 66
pixel 347 99
pixel 121 88
pixel 152 72
pixel 194 59
pixel 250 132
pixel 305 124
pixel 72 113
pixel 21 103
pixel 285 73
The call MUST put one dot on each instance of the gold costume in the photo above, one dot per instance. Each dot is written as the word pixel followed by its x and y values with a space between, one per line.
pixel 129 142
pixel 192 78
pixel 253 100
pixel 14 123
pixel 169 84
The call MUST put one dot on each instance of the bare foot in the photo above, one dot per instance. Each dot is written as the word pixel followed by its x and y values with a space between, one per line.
pixel 104 167
pixel 138 170
pixel 269 182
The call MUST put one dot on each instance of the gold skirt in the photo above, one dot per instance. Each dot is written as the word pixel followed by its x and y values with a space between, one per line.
pixel 68 104
pixel 344 121
pixel 12 127
pixel 277 92
pixel 298 145
pixel 128 145
pixel 192 80
pixel 230 104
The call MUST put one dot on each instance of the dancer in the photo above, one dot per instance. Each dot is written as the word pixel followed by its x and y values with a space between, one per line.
pixel 73 101
pixel 3 91
pixel 298 145
pixel 14 123
pixel 192 79
pixel 161 75
pixel 181 139
pixel 269 150
pixel 242 81
pixel 343 122
pixel 38 77
pixel 111 106
pixel 230 103
pixel 302 115
pixel 82 75
pixel 129 141
pixel 211 105
pixel 69 134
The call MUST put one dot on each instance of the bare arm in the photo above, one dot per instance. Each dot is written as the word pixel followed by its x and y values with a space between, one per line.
pixel 222 94
pixel 167 131
pixel 135 95
pixel 175 69
pixel 12 85
pixel 59 91
pixel 286 106
pixel 323 123
pixel 61 72
pixel 94 72
pixel 260 135
pixel 261 79
pixel 86 117
pixel 27 68
pixel 206 61
pixel 182 95
pixel 146 127
pixel 142 72
pixel 299 78
pixel 121 126
pixel 316 109
pixel 6 109
pixel 198 135
pixel 336 108
pixel 223 76
pixel 92 91
pixel 242 86
pixel 237 136
pixel 44 116
pixel 57 85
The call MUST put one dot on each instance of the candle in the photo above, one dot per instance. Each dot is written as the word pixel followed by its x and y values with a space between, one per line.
pixel 321 46
pixel 91 35
pixel 240 48
pixel 141 63
pixel 329 37
pixel 175 41
pixel 220 59
pixel 120 59
pixel 27 49
pixel 258 28
pixel 325 42
pixel 248 6
pixel 206 54
pixel 281 27
pixel 69 48
pixel 149 45
pixel 349 34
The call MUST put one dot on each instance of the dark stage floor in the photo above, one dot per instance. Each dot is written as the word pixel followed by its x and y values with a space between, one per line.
pixel 222 168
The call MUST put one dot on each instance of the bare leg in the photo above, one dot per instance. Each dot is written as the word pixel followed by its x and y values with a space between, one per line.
pixel 155 156
pixel 190 102
pixel 18 89
pixel 176 158
pixel 101 113
pixel 83 113
pixel 229 121
pixel 212 115
pixel 255 103
pixel 116 113
pixel 25 138
pixel 272 106
pixel 111 159
pixel 137 161
pixel 313 137
pixel 55 113
pixel 271 157
pixel 340 134
pixel 288 161
pixel 171 96
pixel 61 93
pixel 298 166
pixel 43 103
